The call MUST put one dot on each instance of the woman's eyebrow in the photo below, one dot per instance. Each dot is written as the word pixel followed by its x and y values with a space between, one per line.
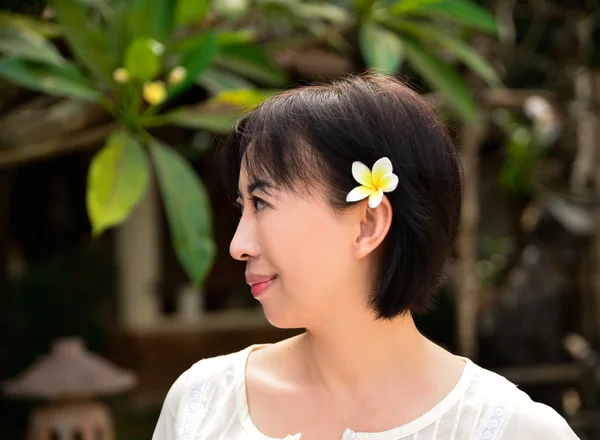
pixel 259 185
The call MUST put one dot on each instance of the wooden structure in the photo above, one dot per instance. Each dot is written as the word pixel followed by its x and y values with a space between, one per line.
pixel 69 377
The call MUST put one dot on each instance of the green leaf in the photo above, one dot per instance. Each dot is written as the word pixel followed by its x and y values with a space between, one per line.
pixel 219 114
pixel 186 44
pixel 28 45
pixel 119 32
pixel 221 121
pixel 88 41
pixel 117 179
pixel 224 38
pixel 17 21
pixel 461 50
pixel 242 36
pixel 188 211
pixel 59 81
pixel 251 62
pixel 152 19
pixel 216 80
pixel 143 58
pixel 196 61
pixel 244 99
pixel 104 7
pixel 408 6
pixel 444 78
pixel 471 59
pixel 190 11
pixel 231 10
pixel 323 11
pixel 466 12
pixel 381 48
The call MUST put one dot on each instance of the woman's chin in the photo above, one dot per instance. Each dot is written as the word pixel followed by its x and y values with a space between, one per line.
pixel 281 318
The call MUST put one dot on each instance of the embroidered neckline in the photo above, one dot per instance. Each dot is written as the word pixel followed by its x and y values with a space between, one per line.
pixel 392 434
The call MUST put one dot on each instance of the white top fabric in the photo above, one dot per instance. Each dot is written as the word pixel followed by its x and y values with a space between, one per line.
pixel 208 402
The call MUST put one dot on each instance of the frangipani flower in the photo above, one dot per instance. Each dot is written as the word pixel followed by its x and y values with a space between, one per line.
pixel 155 92
pixel 121 75
pixel 373 183
pixel 177 75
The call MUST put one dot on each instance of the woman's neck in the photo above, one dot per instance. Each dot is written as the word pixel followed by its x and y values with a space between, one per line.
pixel 361 353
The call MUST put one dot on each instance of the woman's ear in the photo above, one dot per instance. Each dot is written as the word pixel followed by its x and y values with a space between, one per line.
pixel 375 224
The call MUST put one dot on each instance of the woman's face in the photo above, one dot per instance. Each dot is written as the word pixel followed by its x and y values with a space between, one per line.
pixel 299 254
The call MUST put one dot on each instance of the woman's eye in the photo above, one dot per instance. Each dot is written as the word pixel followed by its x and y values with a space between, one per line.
pixel 258 204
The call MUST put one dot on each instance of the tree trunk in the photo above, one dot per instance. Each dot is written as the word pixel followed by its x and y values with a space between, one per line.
pixel 5 184
pixel 596 261
pixel 467 280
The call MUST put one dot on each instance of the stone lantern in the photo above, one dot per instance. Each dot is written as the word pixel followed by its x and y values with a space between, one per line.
pixel 69 377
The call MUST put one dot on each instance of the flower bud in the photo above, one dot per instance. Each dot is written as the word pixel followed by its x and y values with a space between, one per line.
pixel 177 75
pixel 155 92
pixel 121 75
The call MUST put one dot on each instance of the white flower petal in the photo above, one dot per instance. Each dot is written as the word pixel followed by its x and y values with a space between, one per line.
pixel 359 193
pixel 375 198
pixel 389 182
pixel 362 174
pixel 382 167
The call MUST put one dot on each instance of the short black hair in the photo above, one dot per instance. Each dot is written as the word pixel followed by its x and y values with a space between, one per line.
pixel 314 134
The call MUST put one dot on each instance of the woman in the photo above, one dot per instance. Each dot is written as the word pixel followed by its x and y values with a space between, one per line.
pixel 350 196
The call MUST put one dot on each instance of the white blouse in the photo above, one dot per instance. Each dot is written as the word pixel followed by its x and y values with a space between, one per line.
pixel 208 402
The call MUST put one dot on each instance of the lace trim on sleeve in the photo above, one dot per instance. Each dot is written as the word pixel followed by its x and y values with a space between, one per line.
pixel 494 423
pixel 191 410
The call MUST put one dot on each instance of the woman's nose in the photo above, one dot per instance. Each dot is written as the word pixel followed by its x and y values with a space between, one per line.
pixel 243 245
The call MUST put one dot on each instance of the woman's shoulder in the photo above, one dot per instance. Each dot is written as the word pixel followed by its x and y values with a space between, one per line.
pixel 513 413
pixel 205 376
pixel 531 419
pixel 209 383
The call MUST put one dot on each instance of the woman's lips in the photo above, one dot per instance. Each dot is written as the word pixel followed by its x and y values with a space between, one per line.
pixel 259 284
